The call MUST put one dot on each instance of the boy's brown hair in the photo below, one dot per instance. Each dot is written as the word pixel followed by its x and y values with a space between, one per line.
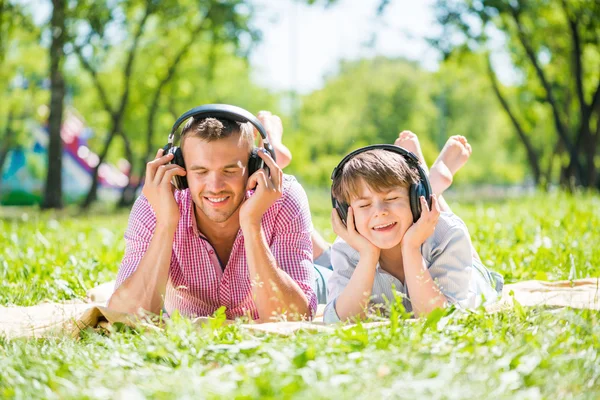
pixel 211 129
pixel 381 170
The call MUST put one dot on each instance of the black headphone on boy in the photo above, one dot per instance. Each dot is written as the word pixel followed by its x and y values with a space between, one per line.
pixel 416 190
pixel 224 111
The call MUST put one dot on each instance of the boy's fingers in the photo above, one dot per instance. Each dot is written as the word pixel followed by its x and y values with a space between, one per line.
pixel 351 227
pixel 435 204
pixel 424 205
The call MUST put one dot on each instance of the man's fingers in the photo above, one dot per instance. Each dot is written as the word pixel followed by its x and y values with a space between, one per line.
pixel 257 179
pixel 276 173
pixel 154 164
pixel 161 171
pixel 171 172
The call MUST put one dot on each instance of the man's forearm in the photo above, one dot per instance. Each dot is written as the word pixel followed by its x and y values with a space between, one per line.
pixel 273 289
pixel 145 288
pixel 425 295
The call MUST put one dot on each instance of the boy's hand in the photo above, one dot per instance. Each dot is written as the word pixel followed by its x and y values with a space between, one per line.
pixel 351 236
pixel 416 235
pixel 267 190
pixel 159 190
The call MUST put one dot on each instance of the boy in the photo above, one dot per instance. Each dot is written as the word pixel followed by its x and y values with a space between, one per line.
pixel 431 262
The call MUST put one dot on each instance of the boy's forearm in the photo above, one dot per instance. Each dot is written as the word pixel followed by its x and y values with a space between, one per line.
pixel 145 288
pixel 273 289
pixel 425 295
pixel 355 297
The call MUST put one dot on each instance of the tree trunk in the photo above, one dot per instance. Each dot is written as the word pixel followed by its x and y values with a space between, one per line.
pixel 128 192
pixel 116 115
pixel 532 155
pixel 6 142
pixel 53 188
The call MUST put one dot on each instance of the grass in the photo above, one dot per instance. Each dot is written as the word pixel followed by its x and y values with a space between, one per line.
pixel 522 353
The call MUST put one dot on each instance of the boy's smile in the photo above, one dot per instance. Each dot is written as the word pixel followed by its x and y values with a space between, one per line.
pixel 382 218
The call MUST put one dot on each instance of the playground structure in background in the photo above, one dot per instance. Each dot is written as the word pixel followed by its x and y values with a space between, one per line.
pixel 24 174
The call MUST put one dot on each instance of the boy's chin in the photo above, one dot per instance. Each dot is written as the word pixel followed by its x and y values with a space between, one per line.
pixel 386 244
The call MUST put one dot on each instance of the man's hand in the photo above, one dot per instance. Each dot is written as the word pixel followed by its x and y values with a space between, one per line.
pixel 416 235
pixel 267 190
pixel 351 236
pixel 159 190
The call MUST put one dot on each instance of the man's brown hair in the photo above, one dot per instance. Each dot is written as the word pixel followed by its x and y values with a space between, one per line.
pixel 211 129
pixel 381 170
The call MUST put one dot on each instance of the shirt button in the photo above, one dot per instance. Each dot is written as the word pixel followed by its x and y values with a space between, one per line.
pixel 211 252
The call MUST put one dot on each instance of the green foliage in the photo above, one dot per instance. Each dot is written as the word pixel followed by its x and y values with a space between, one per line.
pixel 554 49
pixel 371 101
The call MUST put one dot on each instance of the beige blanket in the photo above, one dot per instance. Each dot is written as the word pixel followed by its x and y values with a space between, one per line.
pixel 71 317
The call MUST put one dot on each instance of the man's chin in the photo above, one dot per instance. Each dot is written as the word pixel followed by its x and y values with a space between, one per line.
pixel 217 216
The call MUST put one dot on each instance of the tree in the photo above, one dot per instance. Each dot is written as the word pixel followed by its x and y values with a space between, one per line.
pixel 22 70
pixel 53 187
pixel 559 65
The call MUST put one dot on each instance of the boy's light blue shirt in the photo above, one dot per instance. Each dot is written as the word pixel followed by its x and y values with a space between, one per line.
pixel 449 257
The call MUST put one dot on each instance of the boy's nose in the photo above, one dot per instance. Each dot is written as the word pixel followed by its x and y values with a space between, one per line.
pixel 381 209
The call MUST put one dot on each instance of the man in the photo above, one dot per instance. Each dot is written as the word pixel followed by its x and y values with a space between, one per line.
pixel 230 240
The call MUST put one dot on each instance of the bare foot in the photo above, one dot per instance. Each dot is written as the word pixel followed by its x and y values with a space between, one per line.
pixel 410 142
pixel 453 156
pixel 273 126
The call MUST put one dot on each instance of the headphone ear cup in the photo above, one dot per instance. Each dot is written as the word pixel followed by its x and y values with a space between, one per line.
pixel 180 182
pixel 254 162
pixel 342 210
pixel 416 191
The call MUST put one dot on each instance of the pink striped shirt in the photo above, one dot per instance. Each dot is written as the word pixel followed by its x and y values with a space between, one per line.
pixel 197 284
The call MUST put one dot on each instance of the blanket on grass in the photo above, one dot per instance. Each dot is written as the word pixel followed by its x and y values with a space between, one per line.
pixel 70 317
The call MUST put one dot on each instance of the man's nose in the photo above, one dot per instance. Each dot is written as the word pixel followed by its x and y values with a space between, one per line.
pixel 215 182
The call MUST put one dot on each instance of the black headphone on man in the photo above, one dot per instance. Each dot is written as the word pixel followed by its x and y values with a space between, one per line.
pixel 224 111
pixel 416 190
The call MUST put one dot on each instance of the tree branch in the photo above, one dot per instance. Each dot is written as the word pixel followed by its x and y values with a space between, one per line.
pixel 531 153
pixel 95 79
pixel 131 56
pixel 560 128
pixel 577 66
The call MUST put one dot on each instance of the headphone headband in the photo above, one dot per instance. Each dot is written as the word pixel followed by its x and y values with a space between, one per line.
pixel 412 159
pixel 225 111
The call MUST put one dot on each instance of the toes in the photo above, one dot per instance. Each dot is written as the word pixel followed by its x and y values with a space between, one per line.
pixel 404 135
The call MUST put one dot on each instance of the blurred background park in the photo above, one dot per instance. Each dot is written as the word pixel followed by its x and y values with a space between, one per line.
pixel 91 88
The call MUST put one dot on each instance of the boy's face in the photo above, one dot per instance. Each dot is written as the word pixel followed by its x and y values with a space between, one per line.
pixel 382 218
pixel 217 175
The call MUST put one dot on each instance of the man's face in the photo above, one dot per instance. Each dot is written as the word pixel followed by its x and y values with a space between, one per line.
pixel 382 218
pixel 217 175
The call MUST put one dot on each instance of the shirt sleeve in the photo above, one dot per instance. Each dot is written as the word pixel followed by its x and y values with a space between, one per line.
pixel 138 235
pixel 451 261
pixel 343 260
pixel 292 246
